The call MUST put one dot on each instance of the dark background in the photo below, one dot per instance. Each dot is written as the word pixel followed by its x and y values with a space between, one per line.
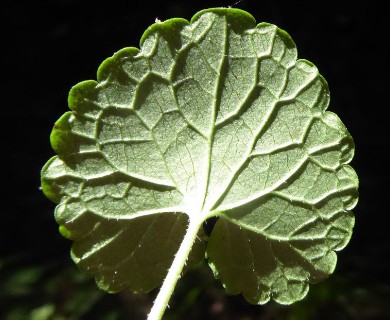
pixel 48 46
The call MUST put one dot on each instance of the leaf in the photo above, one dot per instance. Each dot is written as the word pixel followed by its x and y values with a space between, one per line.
pixel 213 117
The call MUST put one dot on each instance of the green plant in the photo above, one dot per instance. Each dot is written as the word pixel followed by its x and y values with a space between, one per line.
pixel 212 118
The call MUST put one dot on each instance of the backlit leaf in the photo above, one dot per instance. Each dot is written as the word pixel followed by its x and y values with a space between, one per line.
pixel 213 117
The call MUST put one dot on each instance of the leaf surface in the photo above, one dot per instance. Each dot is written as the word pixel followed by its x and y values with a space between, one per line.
pixel 212 117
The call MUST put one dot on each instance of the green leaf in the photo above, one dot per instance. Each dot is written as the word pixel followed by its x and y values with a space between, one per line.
pixel 213 117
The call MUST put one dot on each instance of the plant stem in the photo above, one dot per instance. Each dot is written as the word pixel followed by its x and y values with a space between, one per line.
pixel 174 272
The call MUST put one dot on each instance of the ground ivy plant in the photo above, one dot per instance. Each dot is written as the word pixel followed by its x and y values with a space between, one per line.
pixel 214 117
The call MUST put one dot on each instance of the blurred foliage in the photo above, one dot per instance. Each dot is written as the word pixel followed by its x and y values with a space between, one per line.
pixel 40 290
pixel 49 290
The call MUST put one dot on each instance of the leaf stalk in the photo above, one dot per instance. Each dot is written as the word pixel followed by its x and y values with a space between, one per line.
pixel 174 272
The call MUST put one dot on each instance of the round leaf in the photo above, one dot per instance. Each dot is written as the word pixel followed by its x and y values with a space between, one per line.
pixel 213 117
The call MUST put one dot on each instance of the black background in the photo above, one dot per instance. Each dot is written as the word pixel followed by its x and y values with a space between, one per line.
pixel 48 46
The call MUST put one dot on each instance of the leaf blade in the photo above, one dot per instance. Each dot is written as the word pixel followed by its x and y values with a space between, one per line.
pixel 212 117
